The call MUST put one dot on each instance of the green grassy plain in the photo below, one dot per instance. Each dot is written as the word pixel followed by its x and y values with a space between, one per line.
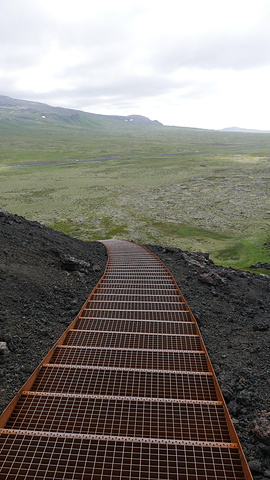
pixel 190 188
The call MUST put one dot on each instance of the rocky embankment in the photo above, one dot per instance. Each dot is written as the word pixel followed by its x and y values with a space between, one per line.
pixel 46 277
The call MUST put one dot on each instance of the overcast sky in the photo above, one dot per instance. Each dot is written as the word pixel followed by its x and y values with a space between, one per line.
pixel 196 63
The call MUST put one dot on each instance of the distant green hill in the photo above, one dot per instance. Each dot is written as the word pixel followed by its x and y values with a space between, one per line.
pixel 33 132
pixel 243 130
pixel 14 110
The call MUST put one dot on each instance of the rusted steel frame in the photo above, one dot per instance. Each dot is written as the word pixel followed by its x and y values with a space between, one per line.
pixel 148 440
pixel 235 444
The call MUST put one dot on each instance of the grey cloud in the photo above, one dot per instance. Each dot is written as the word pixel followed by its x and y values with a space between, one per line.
pixel 13 59
pixel 109 85
pixel 223 51
pixel 124 87
pixel 94 32
pixel 126 92
pixel 27 35
pixel 19 24
pixel 97 63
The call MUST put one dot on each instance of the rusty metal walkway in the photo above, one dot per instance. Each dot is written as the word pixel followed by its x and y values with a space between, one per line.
pixel 128 392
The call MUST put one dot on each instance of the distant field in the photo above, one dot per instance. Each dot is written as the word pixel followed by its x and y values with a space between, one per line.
pixel 207 203
pixel 217 201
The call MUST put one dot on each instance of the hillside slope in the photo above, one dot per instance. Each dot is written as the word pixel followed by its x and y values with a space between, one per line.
pixel 14 110
pixel 243 130
pixel 46 276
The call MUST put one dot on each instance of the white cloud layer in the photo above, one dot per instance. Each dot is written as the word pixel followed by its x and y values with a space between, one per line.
pixel 190 63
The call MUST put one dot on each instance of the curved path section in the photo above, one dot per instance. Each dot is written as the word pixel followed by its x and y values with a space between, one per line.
pixel 128 392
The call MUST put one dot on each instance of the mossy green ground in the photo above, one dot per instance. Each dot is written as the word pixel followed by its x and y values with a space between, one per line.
pixel 217 203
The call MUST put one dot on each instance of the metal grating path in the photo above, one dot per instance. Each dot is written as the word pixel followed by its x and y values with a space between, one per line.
pixel 127 393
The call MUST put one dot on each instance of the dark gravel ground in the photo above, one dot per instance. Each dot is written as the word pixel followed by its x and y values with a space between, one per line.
pixel 41 291
pixel 45 277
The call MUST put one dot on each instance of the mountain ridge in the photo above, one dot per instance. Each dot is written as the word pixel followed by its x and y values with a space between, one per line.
pixel 17 109
pixel 242 130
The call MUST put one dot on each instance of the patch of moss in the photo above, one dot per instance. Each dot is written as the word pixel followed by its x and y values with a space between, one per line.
pixel 245 252
pixel 189 231
pixel 85 230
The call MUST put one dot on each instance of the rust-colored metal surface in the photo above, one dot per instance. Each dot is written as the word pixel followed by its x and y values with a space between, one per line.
pixel 128 392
